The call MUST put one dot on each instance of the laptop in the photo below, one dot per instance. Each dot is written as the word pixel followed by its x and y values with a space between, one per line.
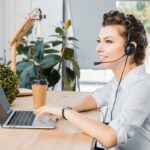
pixel 21 118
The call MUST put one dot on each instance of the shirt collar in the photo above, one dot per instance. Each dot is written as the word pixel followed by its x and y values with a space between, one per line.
pixel 131 77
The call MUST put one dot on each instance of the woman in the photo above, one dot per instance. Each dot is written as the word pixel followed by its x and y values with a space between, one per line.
pixel 126 125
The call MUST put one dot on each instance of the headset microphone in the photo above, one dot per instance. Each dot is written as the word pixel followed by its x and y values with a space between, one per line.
pixel 100 62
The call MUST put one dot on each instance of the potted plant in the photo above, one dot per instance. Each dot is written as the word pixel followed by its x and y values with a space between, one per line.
pixel 9 82
pixel 48 60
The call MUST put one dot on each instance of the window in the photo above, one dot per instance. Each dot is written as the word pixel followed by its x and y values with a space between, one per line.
pixel 93 79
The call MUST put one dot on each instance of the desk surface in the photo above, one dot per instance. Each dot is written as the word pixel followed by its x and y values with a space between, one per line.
pixel 65 137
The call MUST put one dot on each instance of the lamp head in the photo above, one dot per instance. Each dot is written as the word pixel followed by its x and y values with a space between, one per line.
pixel 36 14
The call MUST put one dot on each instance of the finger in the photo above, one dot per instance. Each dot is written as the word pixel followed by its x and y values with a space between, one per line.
pixel 41 110
pixel 42 113
pixel 52 117
pixel 40 116
pixel 38 110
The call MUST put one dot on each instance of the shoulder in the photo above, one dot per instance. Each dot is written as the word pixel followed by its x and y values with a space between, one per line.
pixel 140 89
pixel 143 79
pixel 137 86
pixel 136 78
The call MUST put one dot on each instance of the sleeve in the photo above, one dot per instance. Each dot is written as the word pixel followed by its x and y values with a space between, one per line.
pixel 101 95
pixel 133 113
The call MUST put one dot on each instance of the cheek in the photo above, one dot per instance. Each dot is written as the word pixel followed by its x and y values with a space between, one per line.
pixel 114 51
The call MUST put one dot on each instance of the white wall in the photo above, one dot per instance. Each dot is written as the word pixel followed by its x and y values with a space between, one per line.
pixel 1 30
pixel 86 16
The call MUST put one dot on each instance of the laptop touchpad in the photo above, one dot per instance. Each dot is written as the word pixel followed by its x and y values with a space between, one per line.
pixel 44 122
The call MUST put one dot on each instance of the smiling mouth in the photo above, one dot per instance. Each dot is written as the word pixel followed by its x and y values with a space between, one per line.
pixel 102 58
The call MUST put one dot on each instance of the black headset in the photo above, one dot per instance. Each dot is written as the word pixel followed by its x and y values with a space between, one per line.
pixel 130 47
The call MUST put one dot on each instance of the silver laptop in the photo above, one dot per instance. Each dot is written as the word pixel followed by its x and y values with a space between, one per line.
pixel 20 119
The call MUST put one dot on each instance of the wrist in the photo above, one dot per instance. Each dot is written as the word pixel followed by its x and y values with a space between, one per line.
pixel 63 111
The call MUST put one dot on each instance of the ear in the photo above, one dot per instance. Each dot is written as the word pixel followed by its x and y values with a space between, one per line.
pixel 134 43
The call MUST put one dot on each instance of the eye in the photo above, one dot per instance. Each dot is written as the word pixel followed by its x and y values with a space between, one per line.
pixel 98 41
pixel 109 41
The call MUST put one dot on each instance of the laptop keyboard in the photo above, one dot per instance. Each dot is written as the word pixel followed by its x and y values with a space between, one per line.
pixel 22 118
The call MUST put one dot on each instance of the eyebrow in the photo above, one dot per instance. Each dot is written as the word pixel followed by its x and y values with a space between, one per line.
pixel 106 37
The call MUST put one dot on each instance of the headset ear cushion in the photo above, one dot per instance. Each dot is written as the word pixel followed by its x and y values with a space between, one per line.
pixel 130 49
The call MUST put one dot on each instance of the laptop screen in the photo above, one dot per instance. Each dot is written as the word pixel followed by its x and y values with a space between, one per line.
pixel 4 106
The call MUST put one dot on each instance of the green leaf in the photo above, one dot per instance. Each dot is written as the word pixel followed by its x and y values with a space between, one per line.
pixel 20 66
pixel 26 77
pixel 53 77
pixel 20 49
pixel 55 43
pixel 39 48
pixel 68 53
pixel 69 80
pixel 76 67
pixel 59 30
pixel 70 75
pixel 72 38
pixel 27 51
pixel 9 82
pixel 54 35
pixel 47 51
pixel 46 46
pixel 38 72
pixel 50 61
pixel 32 42
pixel 67 85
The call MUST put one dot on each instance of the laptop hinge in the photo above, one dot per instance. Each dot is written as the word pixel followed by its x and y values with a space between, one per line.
pixel 8 114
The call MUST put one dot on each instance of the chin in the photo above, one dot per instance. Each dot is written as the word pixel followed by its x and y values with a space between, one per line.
pixel 105 66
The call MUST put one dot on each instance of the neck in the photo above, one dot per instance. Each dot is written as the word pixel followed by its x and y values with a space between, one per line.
pixel 118 70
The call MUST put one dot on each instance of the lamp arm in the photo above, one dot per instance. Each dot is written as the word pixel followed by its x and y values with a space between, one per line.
pixel 33 16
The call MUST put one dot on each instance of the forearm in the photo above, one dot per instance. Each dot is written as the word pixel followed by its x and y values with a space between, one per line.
pixel 86 103
pixel 103 133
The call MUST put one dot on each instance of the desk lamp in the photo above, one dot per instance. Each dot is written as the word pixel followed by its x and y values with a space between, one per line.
pixel 33 16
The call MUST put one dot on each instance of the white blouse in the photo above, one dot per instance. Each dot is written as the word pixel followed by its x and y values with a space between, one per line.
pixel 131 114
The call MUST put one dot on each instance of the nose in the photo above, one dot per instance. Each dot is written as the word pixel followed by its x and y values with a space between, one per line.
pixel 99 48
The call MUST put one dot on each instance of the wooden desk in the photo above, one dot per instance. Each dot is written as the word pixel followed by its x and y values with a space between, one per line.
pixel 65 137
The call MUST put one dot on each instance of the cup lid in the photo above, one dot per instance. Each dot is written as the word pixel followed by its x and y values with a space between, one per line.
pixel 40 81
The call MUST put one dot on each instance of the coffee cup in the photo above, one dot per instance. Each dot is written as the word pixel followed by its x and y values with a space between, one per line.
pixel 39 90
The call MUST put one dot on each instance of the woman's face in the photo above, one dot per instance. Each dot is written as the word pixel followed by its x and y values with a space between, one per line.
pixel 111 46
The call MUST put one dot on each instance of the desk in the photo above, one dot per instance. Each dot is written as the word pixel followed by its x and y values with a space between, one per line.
pixel 65 137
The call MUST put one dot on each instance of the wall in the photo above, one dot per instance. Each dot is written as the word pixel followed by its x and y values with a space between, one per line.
pixel 1 30
pixel 86 16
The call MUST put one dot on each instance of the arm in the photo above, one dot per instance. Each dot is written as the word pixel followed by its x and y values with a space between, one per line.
pixel 87 103
pixel 97 99
pixel 103 133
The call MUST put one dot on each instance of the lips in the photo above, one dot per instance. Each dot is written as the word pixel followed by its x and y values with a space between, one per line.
pixel 102 57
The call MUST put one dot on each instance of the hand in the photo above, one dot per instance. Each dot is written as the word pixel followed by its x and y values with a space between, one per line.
pixel 50 110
